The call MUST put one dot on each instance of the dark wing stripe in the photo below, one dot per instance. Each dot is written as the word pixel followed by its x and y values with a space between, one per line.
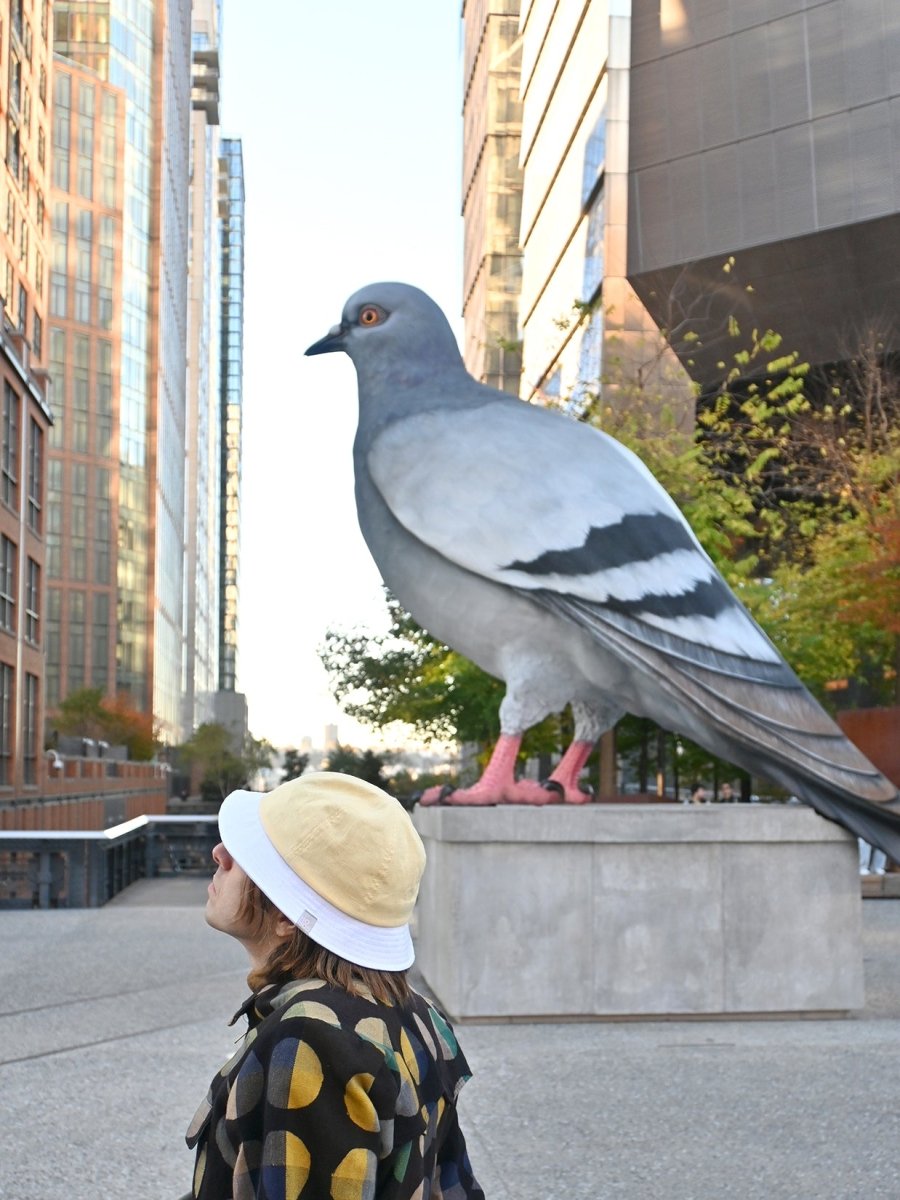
pixel 636 538
pixel 598 617
pixel 705 599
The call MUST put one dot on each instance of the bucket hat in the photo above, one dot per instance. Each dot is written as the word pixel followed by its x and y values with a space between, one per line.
pixel 338 856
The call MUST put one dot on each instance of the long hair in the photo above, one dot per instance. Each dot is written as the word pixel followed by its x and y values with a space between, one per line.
pixel 298 957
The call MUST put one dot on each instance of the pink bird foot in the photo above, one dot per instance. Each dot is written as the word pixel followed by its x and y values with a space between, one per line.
pixel 498 784
pixel 523 791
pixel 451 795
pixel 529 791
pixel 567 795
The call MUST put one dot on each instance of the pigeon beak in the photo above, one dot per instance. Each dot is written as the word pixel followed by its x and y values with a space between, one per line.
pixel 333 340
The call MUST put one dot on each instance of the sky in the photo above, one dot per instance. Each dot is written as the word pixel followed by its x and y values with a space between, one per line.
pixel 350 119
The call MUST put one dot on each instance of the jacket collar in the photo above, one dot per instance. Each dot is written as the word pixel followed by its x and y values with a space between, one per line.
pixel 273 996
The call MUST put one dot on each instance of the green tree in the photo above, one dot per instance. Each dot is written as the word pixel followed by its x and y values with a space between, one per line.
pixel 363 765
pixel 294 764
pixel 88 713
pixel 223 768
pixel 790 478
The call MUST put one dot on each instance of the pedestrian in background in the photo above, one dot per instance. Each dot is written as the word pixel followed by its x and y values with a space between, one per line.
pixel 345 1084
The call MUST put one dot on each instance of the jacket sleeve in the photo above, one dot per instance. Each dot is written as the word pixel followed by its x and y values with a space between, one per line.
pixel 310 1109
pixel 453 1166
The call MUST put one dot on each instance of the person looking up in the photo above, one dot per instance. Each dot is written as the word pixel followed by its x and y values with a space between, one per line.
pixel 346 1081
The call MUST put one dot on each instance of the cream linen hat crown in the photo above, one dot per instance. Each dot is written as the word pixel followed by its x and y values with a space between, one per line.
pixel 338 856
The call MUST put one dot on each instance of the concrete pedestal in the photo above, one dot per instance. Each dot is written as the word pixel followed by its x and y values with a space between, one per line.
pixel 639 911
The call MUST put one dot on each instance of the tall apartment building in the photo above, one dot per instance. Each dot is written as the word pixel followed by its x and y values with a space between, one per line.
pixel 771 133
pixel 85 344
pixel 581 321
pixel 24 97
pixel 545 203
pixel 136 55
pixel 231 705
pixel 492 192
pixel 202 429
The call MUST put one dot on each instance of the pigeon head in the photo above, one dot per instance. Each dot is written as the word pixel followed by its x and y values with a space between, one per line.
pixel 393 330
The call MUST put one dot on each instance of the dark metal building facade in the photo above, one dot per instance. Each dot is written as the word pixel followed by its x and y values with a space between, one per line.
pixel 768 130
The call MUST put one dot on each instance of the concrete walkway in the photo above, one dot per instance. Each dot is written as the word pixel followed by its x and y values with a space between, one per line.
pixel 112 1022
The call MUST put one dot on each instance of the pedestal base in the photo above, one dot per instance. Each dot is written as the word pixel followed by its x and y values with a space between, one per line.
pixel 639 911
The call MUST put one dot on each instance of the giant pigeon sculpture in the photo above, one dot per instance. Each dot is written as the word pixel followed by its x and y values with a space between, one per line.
pixel 546 552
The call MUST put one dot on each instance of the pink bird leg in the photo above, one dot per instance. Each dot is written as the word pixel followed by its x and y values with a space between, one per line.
pixel 498 784
pixel 568 771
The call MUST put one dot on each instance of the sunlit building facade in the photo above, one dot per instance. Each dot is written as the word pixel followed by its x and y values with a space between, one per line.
pixel 549 312
pixel 25 59
pixel 84 479
pixel 583 328
pixel 25 66
pixel 492 192
pixel 203 429
pixel 142 49
pixel 231 165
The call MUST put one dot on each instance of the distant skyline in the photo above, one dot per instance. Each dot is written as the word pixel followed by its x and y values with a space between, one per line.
pixel 352 143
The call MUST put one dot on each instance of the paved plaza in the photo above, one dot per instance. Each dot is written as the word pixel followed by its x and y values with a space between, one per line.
pixel 112 1022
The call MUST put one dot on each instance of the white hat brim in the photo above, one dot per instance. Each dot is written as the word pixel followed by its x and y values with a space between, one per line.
pixel 242 833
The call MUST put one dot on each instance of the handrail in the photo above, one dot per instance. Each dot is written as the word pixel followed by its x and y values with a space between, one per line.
pixel 78 868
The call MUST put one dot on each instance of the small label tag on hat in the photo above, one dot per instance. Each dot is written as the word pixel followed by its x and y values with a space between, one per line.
pixel 306 922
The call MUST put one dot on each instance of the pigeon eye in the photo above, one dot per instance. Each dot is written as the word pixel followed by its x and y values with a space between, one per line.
pixel 370 315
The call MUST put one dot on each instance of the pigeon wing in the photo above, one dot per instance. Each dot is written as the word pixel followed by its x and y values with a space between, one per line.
pixel 564 513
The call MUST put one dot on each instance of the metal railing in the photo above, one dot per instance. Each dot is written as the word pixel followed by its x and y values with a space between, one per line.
pixel 75 868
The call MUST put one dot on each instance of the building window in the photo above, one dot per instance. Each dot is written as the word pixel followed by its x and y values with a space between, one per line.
pixel 37 336
pixel 100 642
pixel 52 642
pixel 9 453
pixel 12 148
pixel 15 83
pixel 33 603
pixel 54 557
pixel 23 308
pixel 61 131
pixel 29 729
pixel 35 472
pixel 7 585
pixel 6 711
pixel 58 263
pixel 76 674
pixel 58 294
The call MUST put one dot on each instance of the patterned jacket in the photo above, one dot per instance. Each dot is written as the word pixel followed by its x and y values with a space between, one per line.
pixel 332 1096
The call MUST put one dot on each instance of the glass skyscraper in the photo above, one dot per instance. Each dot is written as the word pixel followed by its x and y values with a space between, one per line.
pixel 203 431
pixel 139 51
pixel 232 339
